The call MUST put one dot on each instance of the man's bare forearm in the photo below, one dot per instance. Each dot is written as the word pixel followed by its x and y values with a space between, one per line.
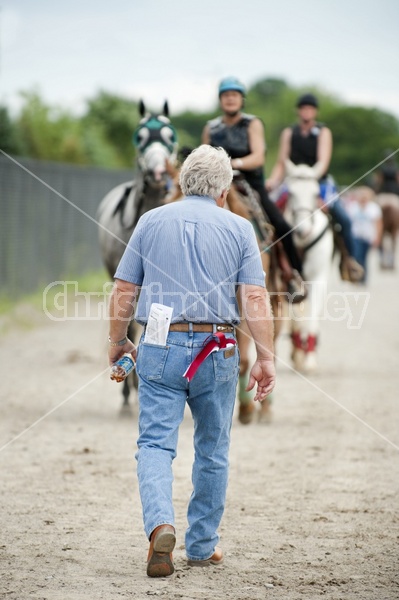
pixel 258 313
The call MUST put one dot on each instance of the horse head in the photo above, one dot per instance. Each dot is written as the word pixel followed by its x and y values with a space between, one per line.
pixel 303 188
pixel 156 142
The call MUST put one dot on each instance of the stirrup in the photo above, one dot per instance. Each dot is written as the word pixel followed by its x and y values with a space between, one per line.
pixel 296 288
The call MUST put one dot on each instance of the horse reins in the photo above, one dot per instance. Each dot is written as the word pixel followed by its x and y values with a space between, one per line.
pixel 317 239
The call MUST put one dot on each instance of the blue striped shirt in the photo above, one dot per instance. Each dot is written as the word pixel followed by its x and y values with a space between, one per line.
pixel 191 255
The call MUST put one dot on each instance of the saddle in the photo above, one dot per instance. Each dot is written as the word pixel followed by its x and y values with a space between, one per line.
pixel 244 201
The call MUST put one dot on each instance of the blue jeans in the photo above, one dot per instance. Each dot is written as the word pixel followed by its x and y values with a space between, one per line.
pixel 329 193
pixel 163 393
pixel 362 248
pixel 340 216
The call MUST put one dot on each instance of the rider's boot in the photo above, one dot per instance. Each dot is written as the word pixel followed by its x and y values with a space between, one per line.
pixel 291 277
pixel 296 288
pixel 351 270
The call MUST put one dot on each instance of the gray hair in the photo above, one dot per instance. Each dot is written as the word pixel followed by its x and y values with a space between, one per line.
pixel 206 172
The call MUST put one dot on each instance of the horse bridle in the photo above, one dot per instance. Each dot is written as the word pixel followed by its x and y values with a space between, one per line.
pixel 155 129
pixel 312 213
pixel 304 210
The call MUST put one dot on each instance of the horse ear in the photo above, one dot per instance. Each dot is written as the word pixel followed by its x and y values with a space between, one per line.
pixel 142 108
pixel 166 109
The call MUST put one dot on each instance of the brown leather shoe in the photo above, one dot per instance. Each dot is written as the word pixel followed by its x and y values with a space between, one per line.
pixel 216 559
pixel 160 559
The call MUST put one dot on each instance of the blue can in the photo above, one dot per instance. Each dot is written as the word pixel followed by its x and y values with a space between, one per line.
pixel 121 369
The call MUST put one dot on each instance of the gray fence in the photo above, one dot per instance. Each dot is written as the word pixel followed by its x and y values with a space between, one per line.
pixel 43 237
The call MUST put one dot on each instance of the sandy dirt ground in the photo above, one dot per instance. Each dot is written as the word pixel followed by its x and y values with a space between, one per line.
pixel 312 505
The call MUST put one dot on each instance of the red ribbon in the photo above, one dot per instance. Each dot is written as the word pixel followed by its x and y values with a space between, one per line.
pixel 213 345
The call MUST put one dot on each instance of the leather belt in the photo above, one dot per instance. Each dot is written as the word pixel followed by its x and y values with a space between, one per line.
pixel 202 327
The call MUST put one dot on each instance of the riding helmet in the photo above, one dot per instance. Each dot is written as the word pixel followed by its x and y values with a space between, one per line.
pixel 307 100
pixel 231 84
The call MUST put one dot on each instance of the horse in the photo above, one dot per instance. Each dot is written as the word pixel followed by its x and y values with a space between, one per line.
pixel 314 239
pixel 389 204
pixel 243 201
pixel 119 211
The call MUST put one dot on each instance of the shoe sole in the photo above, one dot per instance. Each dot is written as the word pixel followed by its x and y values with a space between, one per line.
pixel 160 563
pixel 204 563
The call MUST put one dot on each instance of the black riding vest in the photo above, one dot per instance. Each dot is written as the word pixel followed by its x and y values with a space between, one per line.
pixel 234 139
pixel 304 148
pixel 389 183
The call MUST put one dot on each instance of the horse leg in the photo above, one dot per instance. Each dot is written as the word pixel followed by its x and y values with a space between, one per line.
pixel 278 307
pixel 394 240
pixel 316 297
pixel 304 330
pixel 126 393
pixel 297 334
pixel 246 404
pixel 393 235
pixel 131 380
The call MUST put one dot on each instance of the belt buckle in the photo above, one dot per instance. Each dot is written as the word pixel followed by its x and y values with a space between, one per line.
pixel 223 327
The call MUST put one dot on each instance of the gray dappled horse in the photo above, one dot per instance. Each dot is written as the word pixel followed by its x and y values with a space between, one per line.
pixel 156 143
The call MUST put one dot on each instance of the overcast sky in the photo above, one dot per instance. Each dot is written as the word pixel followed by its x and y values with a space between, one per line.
pixel 180 49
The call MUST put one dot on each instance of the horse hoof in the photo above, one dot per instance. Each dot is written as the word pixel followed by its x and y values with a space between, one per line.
pixel 126 411
pixel 265 413
pixel 298 357
pixel 246 413
pixel 310 364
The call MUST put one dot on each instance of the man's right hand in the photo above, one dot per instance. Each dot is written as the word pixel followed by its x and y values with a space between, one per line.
pixel 116 352
pixel 264 374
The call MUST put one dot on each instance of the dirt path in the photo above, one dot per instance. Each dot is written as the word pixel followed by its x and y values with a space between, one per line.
pixel 313 498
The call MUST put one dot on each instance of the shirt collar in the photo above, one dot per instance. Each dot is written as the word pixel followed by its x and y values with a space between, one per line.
pixel 201 198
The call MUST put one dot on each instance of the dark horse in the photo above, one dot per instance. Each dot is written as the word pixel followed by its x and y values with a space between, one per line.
pixel 243 201
pixel 156 143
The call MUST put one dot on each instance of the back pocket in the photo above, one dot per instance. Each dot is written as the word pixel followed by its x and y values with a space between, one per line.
pixel 151 361
pixel 225 364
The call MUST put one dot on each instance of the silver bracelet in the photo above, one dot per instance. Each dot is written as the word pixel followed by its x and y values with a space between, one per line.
pixel 120 343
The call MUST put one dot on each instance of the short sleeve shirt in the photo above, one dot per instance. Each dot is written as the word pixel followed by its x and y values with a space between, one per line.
pixel 191 255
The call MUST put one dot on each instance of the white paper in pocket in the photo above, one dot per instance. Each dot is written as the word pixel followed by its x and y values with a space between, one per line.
pixel 158 324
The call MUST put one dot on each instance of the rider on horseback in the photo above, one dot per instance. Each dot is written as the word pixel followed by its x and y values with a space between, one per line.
pixel 242 136
pixel 310 142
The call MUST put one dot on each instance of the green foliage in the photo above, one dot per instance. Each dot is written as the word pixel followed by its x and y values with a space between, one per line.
pixel 9 141
pixel 48 133
pixel 103 135
pixel 189 126
pixel 360 137
pixel 115 118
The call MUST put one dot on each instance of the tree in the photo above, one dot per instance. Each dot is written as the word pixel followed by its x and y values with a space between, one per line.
pixel 360 137
pixel 116 118
pixel 9 141
pixel 48 133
